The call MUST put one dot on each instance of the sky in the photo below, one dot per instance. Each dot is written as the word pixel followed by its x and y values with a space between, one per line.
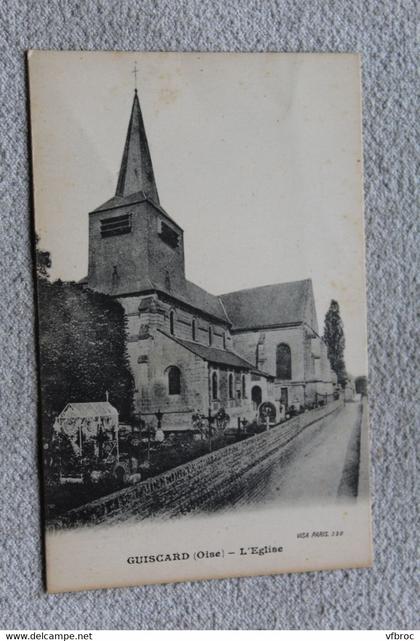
pixel 256 156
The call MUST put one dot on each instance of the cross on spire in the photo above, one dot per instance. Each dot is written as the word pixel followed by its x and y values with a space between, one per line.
pixel 135 72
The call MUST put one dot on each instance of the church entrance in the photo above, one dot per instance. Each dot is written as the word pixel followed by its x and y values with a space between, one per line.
pixel 256 396
pixel 284 397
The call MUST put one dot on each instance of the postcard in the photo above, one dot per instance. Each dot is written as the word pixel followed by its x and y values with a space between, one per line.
pixel 201 315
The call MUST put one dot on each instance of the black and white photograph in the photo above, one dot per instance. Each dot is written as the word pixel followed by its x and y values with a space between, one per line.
pixel 200 284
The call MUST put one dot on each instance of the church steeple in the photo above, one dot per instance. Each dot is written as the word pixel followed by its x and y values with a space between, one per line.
pixel 136 172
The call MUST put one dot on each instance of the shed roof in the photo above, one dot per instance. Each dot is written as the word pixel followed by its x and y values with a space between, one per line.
pixel 212 354
pixel 93 409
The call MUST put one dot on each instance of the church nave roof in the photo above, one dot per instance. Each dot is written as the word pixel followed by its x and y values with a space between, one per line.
pixel 269 305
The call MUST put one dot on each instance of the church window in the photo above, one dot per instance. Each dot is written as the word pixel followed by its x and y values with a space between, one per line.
pixel 168 235
pixel 230 386
pixel 210 335
pixel 243 386
pixel 214 386
pixel 174 381
pixel 116 226
pixel 224 340
pixel 172 322
pixel 283 362
pixel 194 329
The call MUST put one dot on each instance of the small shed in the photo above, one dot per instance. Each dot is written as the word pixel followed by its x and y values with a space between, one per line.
pixel 85 422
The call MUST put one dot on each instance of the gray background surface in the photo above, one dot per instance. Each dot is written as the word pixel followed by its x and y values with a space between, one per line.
pixel 384 33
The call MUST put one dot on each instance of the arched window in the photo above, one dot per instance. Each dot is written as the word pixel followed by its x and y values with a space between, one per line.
pixel 172 322
pixel 243 386
pixel 194 329
pixel 230 385
pixel 283 362
pixel 214 386
pixel 174 381
pixel 256 395
pixel 210 335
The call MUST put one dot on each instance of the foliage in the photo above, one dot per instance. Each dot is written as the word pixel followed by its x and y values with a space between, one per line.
pixel 82 349
pixel 42 261
pixel 361 385
pixel 335 341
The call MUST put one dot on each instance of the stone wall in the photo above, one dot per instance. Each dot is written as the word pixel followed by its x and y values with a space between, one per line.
pixel 193 485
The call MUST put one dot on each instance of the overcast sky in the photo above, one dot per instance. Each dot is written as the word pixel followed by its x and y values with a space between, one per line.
pixel 256 156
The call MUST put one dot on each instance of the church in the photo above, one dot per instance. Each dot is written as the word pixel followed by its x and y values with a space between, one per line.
pixel 191 350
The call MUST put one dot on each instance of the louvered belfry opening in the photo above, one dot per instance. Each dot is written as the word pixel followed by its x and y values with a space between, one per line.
pixel 116 226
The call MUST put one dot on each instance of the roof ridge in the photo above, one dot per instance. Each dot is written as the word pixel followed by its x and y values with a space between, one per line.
pixel 250 289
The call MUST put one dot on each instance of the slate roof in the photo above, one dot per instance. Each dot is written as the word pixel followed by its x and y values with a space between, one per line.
pixel 268 306
pixel 132 199
pixel 122 201
pixel 202 299
pixel 136 170
pixel 212 354
pixel 191 295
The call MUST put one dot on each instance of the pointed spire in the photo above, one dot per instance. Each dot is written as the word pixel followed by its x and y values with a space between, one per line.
pixel 136 172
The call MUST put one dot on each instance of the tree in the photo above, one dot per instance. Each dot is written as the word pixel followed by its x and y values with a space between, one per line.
pixel 361 385
pixel 82 349
pixel 335 341
pixel 42 261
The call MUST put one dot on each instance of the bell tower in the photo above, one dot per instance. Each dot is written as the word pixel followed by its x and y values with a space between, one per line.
pixel 134 245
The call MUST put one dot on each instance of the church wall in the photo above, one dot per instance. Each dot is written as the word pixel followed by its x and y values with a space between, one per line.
pixel 238 406
pixel 150 359
pixel 259 347
pixel 246 343
pixel 151 353
pixel 267 390
pixel 182 321
pixel 194 389
pixel 183 328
